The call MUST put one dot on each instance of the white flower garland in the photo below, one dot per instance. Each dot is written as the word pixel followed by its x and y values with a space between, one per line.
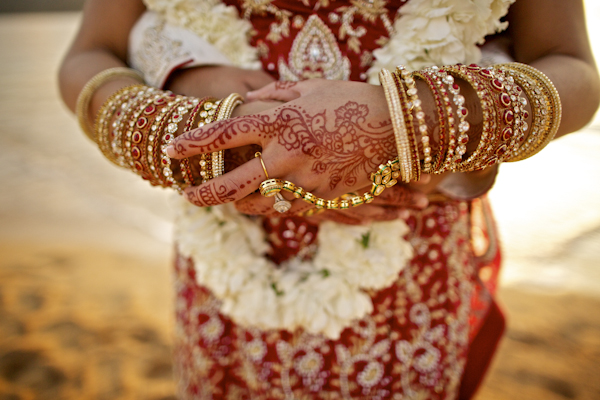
pixel 228 249
pixel 321 296
pixel 439 32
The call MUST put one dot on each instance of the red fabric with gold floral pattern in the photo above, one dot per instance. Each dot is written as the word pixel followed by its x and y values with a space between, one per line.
pixel 318 38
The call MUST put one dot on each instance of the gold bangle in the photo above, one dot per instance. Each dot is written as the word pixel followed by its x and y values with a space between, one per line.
pixel 102 124
pixel 546 104
pixel 228 104
pixel 85 96
pixel 398 123
pixel 409 81
pixel 259 156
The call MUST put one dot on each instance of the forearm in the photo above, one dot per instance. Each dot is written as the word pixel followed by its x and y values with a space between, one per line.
pixel 577 83
pixel 551 35
pixel 79 67
pixel 100 44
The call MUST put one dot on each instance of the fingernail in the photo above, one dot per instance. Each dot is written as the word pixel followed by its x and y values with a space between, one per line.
pixel 170 151
pixel 422 202
pixel 425 178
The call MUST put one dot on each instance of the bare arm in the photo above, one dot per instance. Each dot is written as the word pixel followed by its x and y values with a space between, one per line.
pixel 101 43
pixel 551 36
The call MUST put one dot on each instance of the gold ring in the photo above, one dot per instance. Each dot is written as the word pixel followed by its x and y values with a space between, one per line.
pixel 259 155
pixel 270 187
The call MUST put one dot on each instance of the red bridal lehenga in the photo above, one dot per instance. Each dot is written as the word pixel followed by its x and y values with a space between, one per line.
pixel 431 333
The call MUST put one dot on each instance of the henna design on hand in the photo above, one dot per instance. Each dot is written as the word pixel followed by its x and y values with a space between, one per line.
pixel 211 194
pixel 251 208
pixel 238 156
pixel 285 85
pixel 345 148
pixel 351 148
pixel 396 196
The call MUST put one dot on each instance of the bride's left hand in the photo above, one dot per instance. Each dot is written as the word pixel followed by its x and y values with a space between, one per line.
pixel 327 138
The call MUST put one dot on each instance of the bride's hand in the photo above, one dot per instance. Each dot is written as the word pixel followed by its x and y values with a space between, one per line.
pixel 327 139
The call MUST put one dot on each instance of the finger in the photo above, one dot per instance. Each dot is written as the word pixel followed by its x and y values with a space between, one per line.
pixel 333 215
pixel 221 135
pixel 402 196
pixel 259 79
pixel 232 186
pixel 250 206
pixel 372 213
pixel 424 180
pixel 282 91
pixel 256 204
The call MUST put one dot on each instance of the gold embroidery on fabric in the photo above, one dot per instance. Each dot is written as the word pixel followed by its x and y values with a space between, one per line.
pixel 315 54
pixel 277 30
pixel 157 51
pixel 369 10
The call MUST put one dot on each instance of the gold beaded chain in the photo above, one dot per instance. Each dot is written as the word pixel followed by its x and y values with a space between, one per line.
pixel 386 176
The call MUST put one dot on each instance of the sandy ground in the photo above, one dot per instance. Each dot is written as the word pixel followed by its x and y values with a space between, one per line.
pixel 85 297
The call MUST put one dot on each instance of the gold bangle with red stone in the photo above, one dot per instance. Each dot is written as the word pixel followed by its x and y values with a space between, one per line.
pixel 186 170
pixel 490 106
pixel 546 104
pixel 105 116
pixel 139 120
pixel 171 129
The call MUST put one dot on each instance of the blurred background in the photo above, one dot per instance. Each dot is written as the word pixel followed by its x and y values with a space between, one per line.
pixel 85 252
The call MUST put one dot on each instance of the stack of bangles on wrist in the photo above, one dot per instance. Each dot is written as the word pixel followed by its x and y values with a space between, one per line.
pixel 503 91
pixel 136 124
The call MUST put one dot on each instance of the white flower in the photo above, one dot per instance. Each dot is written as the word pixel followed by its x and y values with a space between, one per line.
pixel 323 296
pixel 439 32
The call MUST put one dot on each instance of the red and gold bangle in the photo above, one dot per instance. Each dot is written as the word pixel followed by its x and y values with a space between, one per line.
pixel 171 129
pixel 545 101
pixel 138 121
pixel 489 105
pixel 447 158
pixel 157 166
pixel 143 140
pixel 136 139
pixel 106 114
pixel 186 170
